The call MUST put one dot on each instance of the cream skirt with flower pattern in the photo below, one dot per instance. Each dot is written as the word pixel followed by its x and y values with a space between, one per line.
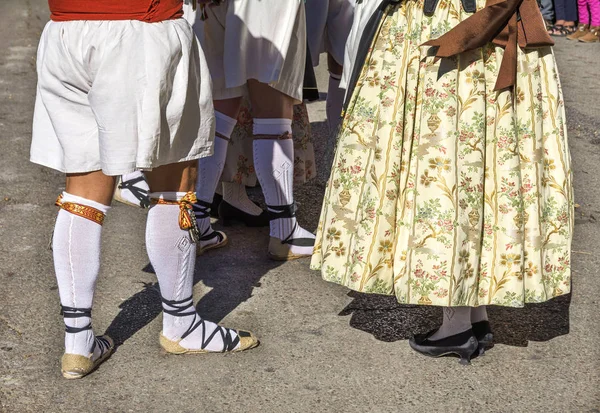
pixel 444 192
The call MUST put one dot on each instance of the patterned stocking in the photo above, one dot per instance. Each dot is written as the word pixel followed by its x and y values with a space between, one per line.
pixel 456 320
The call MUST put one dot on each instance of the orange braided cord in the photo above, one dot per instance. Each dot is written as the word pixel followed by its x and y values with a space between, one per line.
pixel 83 211
pixel 185 207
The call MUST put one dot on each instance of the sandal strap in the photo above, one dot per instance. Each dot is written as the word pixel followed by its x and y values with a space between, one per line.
pixel 281 211
pixel 73 312
pixel 139 193
pixel 179 308
pixel 102 343
pixel 202 209
pixel 229 343
pixel 298 242
pixel 207 235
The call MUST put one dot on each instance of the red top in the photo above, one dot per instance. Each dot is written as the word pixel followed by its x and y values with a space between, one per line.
pixel 149 11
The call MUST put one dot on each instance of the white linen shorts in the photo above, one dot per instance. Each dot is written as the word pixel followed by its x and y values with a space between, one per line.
pixel 120 96
pixel 328 24
pixel 249 39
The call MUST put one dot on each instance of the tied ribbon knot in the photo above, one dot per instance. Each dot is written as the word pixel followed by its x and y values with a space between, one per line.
pixel 187 217
pixel 507 24
pixel 187 220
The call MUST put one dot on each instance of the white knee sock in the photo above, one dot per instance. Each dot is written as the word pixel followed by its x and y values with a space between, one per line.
pixel 235 194
pixel 274 165
pixel 456 320
pixel 173 256
pixel 211 168
pixel 479 314
pixel 335 101
pixel 209 173
pixel 76 251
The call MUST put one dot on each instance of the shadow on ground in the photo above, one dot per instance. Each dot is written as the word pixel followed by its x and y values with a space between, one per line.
pixel 389 321
pixel 230 274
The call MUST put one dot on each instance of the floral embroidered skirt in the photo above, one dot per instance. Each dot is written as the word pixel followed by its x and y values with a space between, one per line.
pixel 444 192
pixel 239 164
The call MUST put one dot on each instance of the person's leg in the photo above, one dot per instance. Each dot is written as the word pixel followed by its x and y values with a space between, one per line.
pixel 589 33
pixel 559 12
pixel 456 320
pixel 547 9
pixel 479 314
pixel 594 6
pixel 170 243
pixel 209 173
pixel 335 95
pixel 274 164
pixel 571 14
pixel 584 20
pixel 76 252
pixel 582 10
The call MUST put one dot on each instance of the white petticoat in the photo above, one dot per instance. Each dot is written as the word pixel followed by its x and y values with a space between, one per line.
pixel 362 14
pixel 120 96
pixel 328 24
pixel 250 39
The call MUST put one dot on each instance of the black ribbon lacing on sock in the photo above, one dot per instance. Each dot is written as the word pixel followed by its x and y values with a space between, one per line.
pixel 185 307
pixel 102 343
pixel 139 193
pixel 73 312
pixel 289 211
pixel 201 211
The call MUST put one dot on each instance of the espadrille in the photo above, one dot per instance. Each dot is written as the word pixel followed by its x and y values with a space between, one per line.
pixel 247 341
pixel 76 366
pixel 202 210
pixel 222 241
pixel 142 199
pixel 231 340
pixel 281 249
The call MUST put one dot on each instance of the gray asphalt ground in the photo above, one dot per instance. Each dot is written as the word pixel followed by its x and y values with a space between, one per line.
pixel 323 349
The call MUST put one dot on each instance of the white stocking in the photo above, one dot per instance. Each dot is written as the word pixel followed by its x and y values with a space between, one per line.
pixel 173 256
pixel 76 251
pixel 274 164
pixel 209 174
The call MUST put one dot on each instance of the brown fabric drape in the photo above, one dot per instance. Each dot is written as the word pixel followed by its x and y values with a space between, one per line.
pixel 506 23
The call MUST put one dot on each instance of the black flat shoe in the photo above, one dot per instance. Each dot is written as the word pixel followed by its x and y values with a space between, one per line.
pixel 228 213
pixel 463 345
pixel 483 334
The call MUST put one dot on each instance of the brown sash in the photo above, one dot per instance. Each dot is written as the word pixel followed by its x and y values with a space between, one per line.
pixel 505 23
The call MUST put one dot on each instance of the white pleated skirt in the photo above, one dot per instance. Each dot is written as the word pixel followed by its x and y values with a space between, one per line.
pixel 248 39
pixel 119 96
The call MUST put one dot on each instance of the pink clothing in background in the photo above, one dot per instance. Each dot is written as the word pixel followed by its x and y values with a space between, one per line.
pixel 589 12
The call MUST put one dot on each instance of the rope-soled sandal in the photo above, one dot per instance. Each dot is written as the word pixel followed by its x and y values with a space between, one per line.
pixel 139 193
pixel 75 366
pixel 201 211
pixel 279 250
pixel 244 340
